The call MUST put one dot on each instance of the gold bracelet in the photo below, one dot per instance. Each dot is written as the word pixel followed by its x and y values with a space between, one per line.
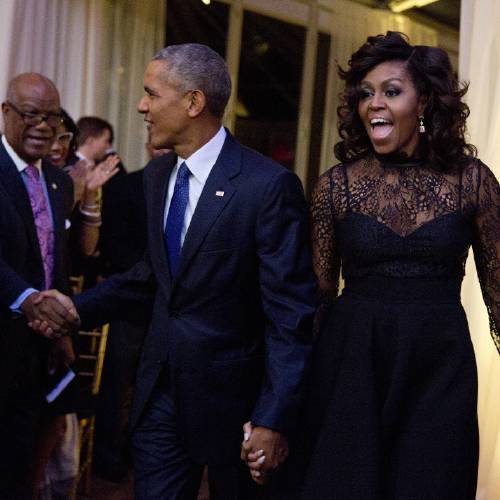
pixel 90 214
pixel 93 224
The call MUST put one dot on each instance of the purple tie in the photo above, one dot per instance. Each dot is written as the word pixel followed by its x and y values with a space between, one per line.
pixel 43 221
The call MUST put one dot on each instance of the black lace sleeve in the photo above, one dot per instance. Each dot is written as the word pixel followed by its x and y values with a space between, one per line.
pixel 487 245
pixel 325 257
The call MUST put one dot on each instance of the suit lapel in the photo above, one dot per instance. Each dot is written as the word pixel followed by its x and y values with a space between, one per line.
pixel 55 193
pixel 55 198
pixel 159 188
pixel 217 192
pixel 15 188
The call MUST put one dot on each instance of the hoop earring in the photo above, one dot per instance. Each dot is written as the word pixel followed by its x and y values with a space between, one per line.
pixel 421 127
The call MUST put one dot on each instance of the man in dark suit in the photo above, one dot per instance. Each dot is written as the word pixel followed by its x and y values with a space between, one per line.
pixel 228 275
pixel 35 199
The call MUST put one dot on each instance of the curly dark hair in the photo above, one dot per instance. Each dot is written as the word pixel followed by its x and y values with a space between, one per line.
pixel 70 126
pixel 431 72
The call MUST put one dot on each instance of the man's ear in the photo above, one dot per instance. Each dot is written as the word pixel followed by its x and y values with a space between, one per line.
pixel 197 103
pixel 89 141
pixel 5 108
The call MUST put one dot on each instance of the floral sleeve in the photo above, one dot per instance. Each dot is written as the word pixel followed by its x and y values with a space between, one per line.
pixel 487 245
pixel 325 256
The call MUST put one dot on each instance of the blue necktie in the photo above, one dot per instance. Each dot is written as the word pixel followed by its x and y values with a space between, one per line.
pixel 175 217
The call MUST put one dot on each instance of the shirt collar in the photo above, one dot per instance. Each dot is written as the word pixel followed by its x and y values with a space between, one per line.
pixel 200 163
pixel 82 157
pixel 18 161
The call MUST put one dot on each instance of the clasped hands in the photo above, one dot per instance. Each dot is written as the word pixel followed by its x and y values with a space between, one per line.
pixel 50 313
pixel 263 450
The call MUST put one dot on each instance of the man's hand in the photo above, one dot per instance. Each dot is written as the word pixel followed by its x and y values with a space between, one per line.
pixel 61 353
pixel 263 450
pixel 63 348
pixel 50 313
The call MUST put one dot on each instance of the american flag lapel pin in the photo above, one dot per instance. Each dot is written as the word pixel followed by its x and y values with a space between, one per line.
pixel 220 194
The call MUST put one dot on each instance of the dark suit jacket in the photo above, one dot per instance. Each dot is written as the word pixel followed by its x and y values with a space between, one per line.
pixel 123 235
pixel 233 326
pixel 23 361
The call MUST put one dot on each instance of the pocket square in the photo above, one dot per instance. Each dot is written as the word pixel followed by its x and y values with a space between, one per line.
pixel 67 223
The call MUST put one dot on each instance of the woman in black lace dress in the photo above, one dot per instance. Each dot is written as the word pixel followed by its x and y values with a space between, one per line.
pixel 392 413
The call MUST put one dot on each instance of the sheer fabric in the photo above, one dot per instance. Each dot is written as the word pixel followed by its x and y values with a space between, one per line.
pixel 435 215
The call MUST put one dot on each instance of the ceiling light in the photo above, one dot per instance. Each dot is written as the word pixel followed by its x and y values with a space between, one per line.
pixel 206 2
pixel 401 5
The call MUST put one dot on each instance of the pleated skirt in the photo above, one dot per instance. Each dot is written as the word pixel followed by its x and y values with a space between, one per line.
pixel 392 408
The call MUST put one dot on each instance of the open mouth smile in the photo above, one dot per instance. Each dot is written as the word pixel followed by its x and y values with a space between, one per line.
pixel 380 127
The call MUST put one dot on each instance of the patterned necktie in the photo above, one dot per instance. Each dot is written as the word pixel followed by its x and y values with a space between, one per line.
pixel 175 217
pixel 43 221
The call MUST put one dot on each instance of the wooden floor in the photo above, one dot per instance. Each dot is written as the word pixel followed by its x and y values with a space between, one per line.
pixel 106 490
pixel 102 489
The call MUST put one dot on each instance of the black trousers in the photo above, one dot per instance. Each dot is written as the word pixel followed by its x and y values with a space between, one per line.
pixel 23 368
pixel 163 468
pixel 18 431
pixel 113 404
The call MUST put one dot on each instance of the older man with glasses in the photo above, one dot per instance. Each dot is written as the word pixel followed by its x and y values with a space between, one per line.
pixel 35 199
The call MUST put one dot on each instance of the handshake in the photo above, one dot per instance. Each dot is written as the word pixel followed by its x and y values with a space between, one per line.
pixel 50 313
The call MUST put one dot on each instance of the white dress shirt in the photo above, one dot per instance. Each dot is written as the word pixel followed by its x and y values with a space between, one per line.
pixel 81 156
pixel 19 162
pixel 200 164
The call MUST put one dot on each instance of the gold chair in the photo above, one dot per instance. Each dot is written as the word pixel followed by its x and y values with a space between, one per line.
pixel 76 283
pixel 92 349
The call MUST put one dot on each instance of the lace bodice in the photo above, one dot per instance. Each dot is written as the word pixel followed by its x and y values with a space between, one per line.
pixel 373 217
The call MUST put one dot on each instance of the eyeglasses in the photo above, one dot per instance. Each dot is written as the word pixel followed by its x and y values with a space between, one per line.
pixel 34 119
pixel 64 137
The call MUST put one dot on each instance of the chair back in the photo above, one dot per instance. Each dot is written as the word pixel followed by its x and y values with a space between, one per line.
pixel 76 283
pixel 92 349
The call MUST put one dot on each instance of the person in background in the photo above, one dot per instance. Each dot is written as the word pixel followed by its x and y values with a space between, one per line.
pixel 62 151
pixel 93 139
pixel 94 143
pixel 393 406
pixel 87 178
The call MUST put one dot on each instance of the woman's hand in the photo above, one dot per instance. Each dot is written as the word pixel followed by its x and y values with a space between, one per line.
pixel 102 172
pixel 78 174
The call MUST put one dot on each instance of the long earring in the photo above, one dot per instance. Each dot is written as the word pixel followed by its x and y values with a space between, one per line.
pixel 421 127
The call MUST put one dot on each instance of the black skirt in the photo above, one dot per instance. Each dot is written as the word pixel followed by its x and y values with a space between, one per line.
pixel 392 411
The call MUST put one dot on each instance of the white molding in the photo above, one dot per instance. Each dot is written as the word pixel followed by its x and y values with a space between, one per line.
pixel 233 51
pixel 307 95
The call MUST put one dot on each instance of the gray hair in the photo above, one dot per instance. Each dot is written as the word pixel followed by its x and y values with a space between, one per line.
pixel 198 67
